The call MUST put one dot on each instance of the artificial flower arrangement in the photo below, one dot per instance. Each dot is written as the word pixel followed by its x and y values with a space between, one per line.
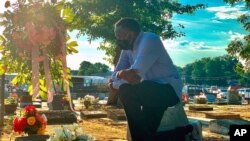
pixel 70 133
pixel 30 122
pixel 89 100
pixel 35 41
pixel 65 102
pixel 200 99
pixel 33 24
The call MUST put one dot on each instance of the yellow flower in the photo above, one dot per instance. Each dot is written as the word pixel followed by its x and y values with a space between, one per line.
pixel 31 120
pixel 41 130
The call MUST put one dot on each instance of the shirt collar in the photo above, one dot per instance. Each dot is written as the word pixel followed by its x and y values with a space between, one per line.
pixel 137 40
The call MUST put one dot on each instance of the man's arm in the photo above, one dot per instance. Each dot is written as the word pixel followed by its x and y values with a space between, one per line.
pixel 149 51
pixel 130 75
pixel 122 64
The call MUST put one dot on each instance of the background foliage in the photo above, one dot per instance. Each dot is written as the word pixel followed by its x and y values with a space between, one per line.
pixel 96 18
pixel 32 24
pixel 240 48
pixel 87 68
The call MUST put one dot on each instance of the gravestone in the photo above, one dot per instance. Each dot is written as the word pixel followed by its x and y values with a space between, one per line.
pixel 222 126
pixel 25 100
pixel 200 108
pixel 221 101
pixel 222 115
pixel 116 114
pixel 34 137
pixel 60 117
pixel 57 103
pixel 93 114
pixel 234 98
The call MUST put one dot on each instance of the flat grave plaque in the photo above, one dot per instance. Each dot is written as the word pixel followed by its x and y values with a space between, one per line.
pixel 116 114
pixel 221 126
pixel 222 115
pixel 60 116
pixel 33 138
pixel 93 114
pixel 200 108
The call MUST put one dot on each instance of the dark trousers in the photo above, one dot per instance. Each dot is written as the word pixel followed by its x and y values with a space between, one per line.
pixel 144 105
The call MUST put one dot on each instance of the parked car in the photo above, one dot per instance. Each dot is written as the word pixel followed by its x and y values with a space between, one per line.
pixel 223 93
pixel 214 89
pixel 189 91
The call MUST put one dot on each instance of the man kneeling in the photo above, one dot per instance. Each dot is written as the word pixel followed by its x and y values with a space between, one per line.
pixel 145 77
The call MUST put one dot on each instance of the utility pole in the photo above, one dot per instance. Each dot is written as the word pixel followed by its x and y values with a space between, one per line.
pixel 2 100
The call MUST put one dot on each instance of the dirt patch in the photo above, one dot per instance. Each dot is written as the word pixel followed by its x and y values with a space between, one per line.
pixel 104 131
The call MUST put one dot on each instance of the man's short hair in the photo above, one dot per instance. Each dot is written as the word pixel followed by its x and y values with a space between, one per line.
pixel 129 23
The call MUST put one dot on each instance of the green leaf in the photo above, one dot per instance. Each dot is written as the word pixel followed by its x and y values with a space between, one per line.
pixel 72 50
pixel 42 82
pixel 72 44
pixel 30 89
pixel 43 88
pixel 14 80
pixel 68 16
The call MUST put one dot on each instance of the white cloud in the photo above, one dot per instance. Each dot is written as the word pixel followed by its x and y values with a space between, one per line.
pixel 235 35
pixel 170 44
pixel 228 12
pixel 223 9
pixel 216 21
pixel 93 44
pixel 190 45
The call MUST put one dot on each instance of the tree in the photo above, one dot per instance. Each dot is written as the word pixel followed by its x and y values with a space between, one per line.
pixel 199 72
pixel 96 18
pixel 74 72
pixel 87 68
pixel 100 68
pixel 187 71
pixel 241 48
pixel 211 71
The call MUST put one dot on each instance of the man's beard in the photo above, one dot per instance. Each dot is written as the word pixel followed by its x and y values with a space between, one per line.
pixel 125 44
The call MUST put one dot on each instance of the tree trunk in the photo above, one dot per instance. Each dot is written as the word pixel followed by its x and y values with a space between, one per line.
pixel 2 100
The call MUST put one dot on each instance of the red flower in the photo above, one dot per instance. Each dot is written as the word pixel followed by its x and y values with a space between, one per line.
pixel 30 110
pixel 41 119
pixel 30 122
pixel 19 124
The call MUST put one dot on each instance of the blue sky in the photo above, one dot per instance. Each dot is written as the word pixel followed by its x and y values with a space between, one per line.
pixel 208 33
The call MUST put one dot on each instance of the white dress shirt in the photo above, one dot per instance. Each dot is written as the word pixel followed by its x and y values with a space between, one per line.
pixel 151 60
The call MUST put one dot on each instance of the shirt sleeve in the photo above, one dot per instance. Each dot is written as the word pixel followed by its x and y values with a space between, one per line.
pixel 123 63
pixel 149 51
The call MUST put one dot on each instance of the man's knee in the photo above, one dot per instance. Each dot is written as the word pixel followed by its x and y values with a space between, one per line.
pixel 124 91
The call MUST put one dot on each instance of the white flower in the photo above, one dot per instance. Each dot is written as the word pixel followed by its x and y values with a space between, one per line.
pixel 69 133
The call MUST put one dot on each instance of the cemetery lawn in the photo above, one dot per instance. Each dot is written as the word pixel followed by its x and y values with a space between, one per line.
pixel 104 129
